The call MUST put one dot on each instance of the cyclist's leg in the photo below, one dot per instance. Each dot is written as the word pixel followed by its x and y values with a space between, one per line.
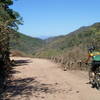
pixel 91 72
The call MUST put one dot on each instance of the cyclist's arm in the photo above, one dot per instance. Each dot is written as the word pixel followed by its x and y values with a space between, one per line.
pixel 87 60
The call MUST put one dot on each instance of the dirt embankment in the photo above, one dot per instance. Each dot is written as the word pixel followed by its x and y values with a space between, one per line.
pixel 39 79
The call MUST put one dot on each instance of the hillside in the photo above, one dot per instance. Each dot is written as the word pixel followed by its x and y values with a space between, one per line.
pixel 25 44
pixel 71 47
pixel 83 35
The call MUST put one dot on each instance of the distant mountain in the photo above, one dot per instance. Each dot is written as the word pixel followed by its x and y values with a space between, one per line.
pixel 25 44
pixel 82 35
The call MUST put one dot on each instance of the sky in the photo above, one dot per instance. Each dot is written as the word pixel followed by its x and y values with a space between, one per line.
pixel 47 18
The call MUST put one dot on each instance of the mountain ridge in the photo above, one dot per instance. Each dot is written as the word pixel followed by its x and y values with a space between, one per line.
pixel 56 45
pixel 83 37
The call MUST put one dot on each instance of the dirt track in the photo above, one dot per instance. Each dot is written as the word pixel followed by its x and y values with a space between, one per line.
pixel 38 79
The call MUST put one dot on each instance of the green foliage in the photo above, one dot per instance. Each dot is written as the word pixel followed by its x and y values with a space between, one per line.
pixel 9 21
pixel 8 17
pixel 25 44
pixel 85 37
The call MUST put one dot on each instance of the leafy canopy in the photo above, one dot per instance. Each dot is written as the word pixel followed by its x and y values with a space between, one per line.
pixel 9 17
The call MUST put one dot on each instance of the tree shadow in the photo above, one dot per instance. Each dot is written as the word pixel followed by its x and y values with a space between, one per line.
pixel 16 63
pixel 20 62
pixel 27 87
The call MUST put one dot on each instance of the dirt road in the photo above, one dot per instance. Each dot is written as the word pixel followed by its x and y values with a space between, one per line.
pixel 38 79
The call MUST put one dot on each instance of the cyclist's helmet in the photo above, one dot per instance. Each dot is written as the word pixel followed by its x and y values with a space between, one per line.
pixel 91 49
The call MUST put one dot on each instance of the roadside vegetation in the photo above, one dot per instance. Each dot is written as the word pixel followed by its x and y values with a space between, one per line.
pixel 9 21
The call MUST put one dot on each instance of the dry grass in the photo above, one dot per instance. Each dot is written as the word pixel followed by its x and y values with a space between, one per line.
pixel 72 59
pixel 17 53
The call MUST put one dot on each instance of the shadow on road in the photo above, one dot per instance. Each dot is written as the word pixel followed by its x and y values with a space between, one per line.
pixel 27 87
pixel 17 63
pixel 20 62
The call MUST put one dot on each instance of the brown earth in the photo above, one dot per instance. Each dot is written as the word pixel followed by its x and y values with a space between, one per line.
pixel 39 79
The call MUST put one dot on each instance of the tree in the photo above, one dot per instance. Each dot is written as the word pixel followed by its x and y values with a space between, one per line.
pixel 9 21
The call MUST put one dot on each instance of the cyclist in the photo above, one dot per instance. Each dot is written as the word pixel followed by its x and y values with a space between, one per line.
pixel 95 55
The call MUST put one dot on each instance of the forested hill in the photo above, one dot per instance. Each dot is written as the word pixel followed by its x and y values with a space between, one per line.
pixel 55 46
pixel 82 38
pixel 83 35
pixel 25 44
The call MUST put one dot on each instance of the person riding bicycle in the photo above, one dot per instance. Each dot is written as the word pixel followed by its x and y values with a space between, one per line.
pixel 95 55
